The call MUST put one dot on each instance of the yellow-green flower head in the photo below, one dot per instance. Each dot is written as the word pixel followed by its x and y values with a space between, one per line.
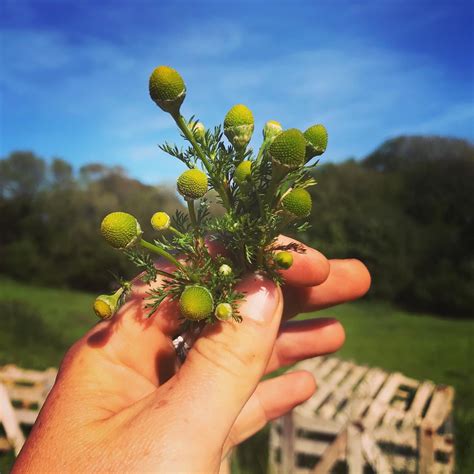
pixel 225 270
pixel 316 141
pixel 167 88
pixel 223 311
pixel 297 203
pixel 196 303
pixel 238 126
pixel 199 130
pixel 271 130
pixel 289 149
pixel 192 184
pixel 120 230
pixel 105 306
pixel 160 221
pixel 284 259
pixel 243 172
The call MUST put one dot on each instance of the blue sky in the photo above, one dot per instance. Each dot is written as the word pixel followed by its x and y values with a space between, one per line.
pixel 74 74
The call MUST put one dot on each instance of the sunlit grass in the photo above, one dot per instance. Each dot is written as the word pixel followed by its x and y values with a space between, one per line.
pixel 420 346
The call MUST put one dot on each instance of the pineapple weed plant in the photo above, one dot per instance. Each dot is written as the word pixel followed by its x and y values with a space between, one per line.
pixel 262 195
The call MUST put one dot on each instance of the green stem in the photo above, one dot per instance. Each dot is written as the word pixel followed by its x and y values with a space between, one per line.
pixel 278 172
pixel 192 214
pixel 183 126
pixel 176 232
pixel 260 153
pixel 163 253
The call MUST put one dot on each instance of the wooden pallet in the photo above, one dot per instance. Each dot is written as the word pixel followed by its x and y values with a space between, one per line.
pixel 22 394
pixel 365 416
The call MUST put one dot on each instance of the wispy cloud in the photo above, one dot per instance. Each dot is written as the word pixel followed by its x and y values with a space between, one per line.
pixel 80 89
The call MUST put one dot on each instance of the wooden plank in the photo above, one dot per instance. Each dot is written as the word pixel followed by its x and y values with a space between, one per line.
pixel 402 438
pixel 25 416
pixel 332 454
pixel 26 395
pixel 308 422
pixel 324 369
pixel 288 443
pixel 380 403
pixel 5 445
pixel 343 392
pixel 273 444
pixel 310 446
pixel 310 364
pixel 414 413
pixel 363 395
pixel 355 457
pixel 393 416
pixel 444 443
pixel 402 464
pixel 438 411
pixel 301 445
pixel 9 420
pixel 440 406
pixel 329 385
pixel 374 455
pixel 12 373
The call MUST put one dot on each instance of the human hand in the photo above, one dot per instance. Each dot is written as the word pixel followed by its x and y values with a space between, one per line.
pixel 122 402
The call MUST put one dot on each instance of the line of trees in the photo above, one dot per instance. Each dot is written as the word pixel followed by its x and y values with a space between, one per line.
pixel 50 220
pixel 407 211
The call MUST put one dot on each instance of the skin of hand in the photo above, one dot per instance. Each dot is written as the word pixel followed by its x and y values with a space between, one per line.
pixel 123 403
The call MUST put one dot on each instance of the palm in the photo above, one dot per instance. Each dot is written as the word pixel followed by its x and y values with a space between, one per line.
pixel 121 391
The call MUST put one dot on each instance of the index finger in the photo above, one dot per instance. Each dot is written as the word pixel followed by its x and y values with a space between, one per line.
pixel 309 268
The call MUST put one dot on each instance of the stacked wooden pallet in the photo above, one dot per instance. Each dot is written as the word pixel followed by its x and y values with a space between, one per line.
pixel 365 416
pixel 22 394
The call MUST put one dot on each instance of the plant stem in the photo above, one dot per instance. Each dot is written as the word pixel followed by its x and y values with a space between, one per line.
pixel 272 187
pixel 260 153
pixel 192 213
pixel 163 253
pixel 176 232
pixel 183 126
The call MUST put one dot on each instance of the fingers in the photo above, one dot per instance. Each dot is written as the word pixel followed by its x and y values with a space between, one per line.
pixel 309 268
pixel 298 340
pixel 272 399
pixel 225 364
pixel 137 340
pixel 347 281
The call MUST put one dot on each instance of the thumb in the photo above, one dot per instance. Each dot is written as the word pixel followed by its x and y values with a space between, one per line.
pixel 227 361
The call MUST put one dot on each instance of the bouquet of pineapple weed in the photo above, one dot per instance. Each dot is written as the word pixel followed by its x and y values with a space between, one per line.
pixel 262 195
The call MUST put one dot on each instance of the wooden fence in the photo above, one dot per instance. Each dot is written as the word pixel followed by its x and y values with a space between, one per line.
pixel 22 394
pixel 363 416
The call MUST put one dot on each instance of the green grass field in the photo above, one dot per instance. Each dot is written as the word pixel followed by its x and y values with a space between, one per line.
pixel 420 346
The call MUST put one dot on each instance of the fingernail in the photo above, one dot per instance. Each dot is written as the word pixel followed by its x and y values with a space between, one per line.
pixel 261 298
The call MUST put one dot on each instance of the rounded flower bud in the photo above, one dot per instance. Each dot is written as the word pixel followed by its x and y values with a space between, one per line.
pixel 120 230
pixel 238 126
pixel 225 270
pixel 223 311
pixel 271 130
pixel 297 203
pixel 192 184
pixel 288 149
pixel 105 306
pixel 242 172
pixel 196 303
pixel 160 221
pixel 199 130
pixel 316 141
pixel 283 259
pixel 167 88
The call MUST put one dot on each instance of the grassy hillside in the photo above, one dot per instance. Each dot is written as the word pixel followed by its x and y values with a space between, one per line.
pixel 420 346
